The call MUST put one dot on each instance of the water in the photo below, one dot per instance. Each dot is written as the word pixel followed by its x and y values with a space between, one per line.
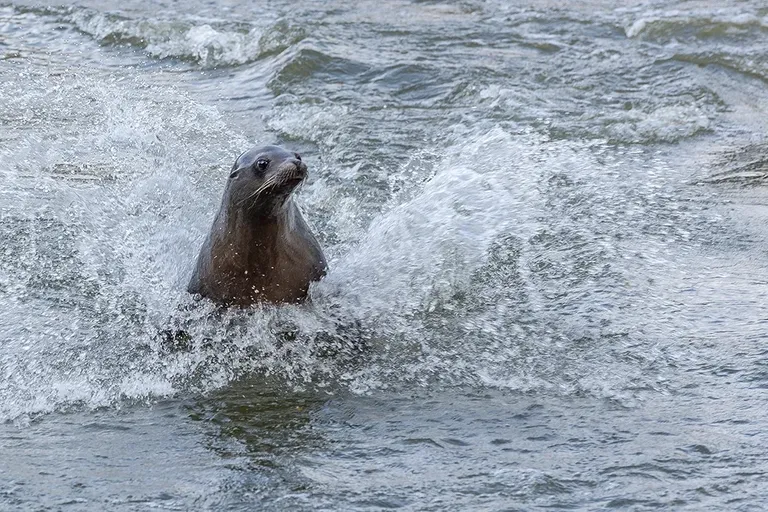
pixel 546 228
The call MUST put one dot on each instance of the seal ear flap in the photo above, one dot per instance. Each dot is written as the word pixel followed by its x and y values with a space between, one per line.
pixel 235 172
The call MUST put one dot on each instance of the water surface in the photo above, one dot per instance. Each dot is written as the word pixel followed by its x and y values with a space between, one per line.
pixel 546 227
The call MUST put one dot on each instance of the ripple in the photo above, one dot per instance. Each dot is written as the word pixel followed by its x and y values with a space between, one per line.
pixel 306 62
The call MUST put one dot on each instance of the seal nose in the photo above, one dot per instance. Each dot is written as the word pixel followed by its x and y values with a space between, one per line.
pixel 301 167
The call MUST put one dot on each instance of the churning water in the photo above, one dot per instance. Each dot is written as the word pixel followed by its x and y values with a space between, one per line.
pixel 547 226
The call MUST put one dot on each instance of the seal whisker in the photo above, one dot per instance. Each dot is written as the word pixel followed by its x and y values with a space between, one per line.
pixel 269 183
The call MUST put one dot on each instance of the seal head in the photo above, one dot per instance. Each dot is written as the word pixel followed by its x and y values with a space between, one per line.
pixel 259 248
pixel 262 179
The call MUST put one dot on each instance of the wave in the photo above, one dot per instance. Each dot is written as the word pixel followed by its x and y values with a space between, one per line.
pixel 668 25
pixel 208 45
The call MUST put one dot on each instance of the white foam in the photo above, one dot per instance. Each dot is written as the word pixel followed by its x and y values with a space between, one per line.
pixel 225 44
pixel 671 22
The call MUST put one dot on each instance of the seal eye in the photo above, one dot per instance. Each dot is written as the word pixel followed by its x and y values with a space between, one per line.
pixel 262 164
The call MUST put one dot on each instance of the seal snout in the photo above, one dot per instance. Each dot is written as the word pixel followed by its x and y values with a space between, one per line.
pixel 293 169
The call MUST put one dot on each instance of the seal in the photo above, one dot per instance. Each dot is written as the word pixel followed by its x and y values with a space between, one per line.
pixel 259 248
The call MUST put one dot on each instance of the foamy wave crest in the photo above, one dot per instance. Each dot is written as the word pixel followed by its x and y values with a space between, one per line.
pixel 672 120
pixel 703 24
pixel 225 44
pixel 665 124
pixel 705 38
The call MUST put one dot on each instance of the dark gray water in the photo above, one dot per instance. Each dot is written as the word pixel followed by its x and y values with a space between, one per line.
pixel 547 226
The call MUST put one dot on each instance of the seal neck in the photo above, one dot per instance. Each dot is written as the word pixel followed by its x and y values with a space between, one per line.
pixel 279 219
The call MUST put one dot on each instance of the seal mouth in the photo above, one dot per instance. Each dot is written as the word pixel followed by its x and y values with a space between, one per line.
pixel 291 179
pixel 291 174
